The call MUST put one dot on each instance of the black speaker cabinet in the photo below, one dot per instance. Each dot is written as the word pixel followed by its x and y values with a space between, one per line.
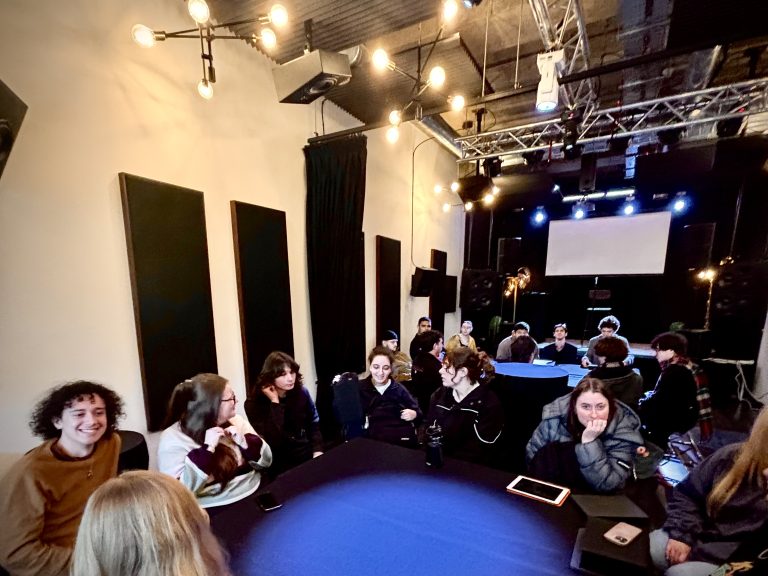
pixel 423 281
pixel 508 256
pixel 480 290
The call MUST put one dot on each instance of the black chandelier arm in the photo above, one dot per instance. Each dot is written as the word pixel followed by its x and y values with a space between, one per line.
pixel 194 32
pixel 431 49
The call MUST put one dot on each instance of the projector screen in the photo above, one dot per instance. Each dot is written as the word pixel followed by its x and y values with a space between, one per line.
pixel 608 246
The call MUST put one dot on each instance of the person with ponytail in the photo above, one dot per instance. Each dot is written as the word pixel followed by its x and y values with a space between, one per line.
pixel 716 508
pixel 213 450
pixel 469 413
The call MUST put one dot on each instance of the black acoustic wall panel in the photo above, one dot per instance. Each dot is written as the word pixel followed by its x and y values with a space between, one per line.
pixel 439 261
pixel 12 112
pixel 387 286
pixel 170 279
pixel 263 284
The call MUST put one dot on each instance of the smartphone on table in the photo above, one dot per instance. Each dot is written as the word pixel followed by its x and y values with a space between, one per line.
pixel 267 501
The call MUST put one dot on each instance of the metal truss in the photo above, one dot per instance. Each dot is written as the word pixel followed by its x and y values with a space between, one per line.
pixel 696 111
pixel 561 25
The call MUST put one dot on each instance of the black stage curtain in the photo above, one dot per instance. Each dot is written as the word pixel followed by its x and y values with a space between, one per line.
pixel 335 258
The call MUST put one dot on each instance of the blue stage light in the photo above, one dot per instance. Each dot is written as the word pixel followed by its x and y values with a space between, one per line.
pixel 680 204
pixel 579 213
pixel 539 216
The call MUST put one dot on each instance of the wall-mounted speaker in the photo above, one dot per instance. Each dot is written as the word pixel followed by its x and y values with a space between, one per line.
pixel 508 256
pixel 423 281
pixel 480 290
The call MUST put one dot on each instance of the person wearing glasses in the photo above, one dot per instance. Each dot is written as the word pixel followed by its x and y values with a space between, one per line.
pixel 280 408
pixel 210 448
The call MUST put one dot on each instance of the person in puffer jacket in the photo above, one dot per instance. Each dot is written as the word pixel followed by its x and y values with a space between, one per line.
pixel 586 440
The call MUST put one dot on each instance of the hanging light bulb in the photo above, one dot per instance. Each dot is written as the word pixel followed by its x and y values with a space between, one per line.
pixel 446 207
pixel 199 11
pixel 488 199
pixel 278 15
pixel 380 59
pixel 437 76
pixel 438 188
pixel 143 35
pixel 454 186
pixel 450 8
pixel 395 117
pixel 468 206
pixel 393 133
pixel 205 89
pixel 268 38
pixel 457 102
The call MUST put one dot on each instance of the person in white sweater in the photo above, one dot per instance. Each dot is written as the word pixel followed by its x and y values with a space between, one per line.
pixel 212 450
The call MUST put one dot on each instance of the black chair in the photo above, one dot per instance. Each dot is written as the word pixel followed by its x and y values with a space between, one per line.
pixel 134 453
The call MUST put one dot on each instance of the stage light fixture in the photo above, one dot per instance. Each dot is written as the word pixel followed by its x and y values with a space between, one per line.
pixel 533 157
pixel 547 93
pixel 729 127
pixel 680 203
pixel 629 207
pixel 582 209
pixel 206 33
pixel 539 216
pixel 670 137
pixel 579 212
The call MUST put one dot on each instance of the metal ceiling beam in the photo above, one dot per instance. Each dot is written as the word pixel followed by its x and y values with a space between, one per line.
pixel 561 24
pixel 698 109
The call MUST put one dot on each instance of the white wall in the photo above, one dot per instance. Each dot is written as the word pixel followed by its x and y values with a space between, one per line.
pixel 99 105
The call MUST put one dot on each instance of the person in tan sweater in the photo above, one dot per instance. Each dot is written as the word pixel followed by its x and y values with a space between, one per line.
pixel 43 496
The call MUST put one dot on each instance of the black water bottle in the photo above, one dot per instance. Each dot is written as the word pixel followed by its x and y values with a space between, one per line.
pixel 434 446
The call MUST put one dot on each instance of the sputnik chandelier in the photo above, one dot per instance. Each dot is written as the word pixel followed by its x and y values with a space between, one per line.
pixel 206 32
pixel 435 79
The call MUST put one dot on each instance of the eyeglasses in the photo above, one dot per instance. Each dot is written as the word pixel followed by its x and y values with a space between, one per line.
pixel 233 399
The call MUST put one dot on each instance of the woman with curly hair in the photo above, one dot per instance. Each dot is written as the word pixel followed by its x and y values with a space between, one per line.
pixel 146 524
pixel 43 496
pixel 466 409
pixel 720 505
pixel 281 409
pixel 213 450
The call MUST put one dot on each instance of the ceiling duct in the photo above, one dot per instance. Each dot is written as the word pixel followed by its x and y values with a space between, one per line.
pixel 439 129
pixel 308 77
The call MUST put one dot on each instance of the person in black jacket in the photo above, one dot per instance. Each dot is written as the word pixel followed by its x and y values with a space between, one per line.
pixel 469 413
pixel 281 410
pixel 390 412
pixel 672 405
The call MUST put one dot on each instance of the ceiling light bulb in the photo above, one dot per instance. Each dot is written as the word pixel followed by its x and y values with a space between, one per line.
pixel 488 199
pixel 438 188
pixel 450 8
pixel 457 102
pixel 437 76
pixel 199 11
pixel 446 207
pixel 495 190
pixel 205 89
pixel 278 15
pixel 143 35
pixel 380 59
pixel 468 206
pixel 629 209
pixel 454 186
pixel 268 38
pixel 395 117
pixel 539 217
pixel 393 134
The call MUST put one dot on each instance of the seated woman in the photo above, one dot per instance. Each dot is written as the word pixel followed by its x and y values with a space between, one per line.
pixel 462 339
pixel 625 384
pixel 586 440
pixel 145 523
pixel 42 497
pixel 281 409
pixel 390 413
pixel 672 405
pixel 211 449
pixel 722 502
pixel 468 412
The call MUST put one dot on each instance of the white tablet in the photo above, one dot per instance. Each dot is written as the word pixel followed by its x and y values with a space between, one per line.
pixel 538 490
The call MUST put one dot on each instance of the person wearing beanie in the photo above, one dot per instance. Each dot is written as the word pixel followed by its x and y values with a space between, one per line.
pixel 401 364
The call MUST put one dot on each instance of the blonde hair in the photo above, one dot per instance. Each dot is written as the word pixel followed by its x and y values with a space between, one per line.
pixel 146 523
pixel 748 465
